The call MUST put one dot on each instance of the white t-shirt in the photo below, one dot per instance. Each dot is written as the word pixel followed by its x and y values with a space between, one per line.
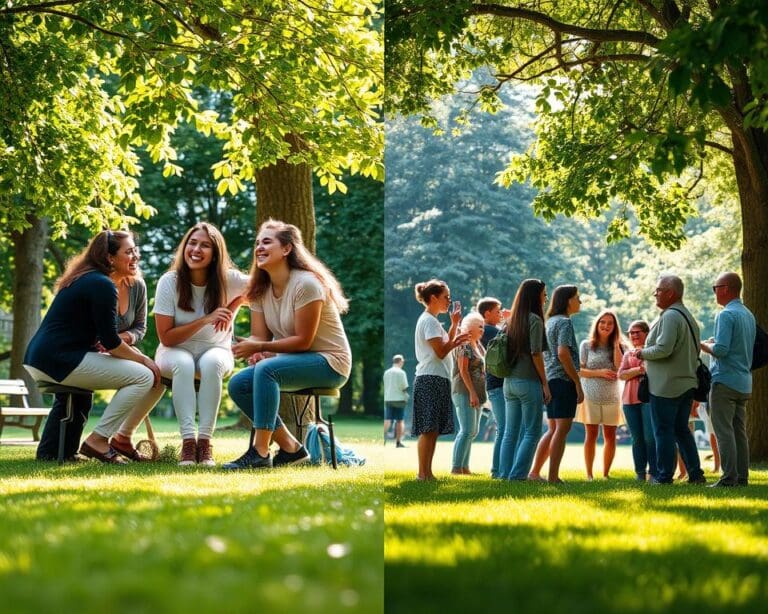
pixel 395 385
pixel 429 327
pixel 279 314
pixel 166 304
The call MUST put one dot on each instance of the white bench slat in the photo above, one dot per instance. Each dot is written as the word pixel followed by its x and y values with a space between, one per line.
pixel 25 411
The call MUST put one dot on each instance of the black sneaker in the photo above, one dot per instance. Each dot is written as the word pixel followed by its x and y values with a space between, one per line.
pixel 699 481
pixel 250 460
pixel 291 458
pixel 401 445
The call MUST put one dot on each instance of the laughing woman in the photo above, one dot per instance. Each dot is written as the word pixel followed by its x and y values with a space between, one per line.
pixel 297 340
pixel 131 326
pixel 81 321
pixel 194 308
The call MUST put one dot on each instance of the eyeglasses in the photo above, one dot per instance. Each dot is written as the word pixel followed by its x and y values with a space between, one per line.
pixel 635 332
pixel 714 288
pixel 660 290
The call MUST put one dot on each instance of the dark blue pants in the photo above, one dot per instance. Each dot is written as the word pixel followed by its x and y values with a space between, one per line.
pixel 670 425
pixel 48 448
pixel 638 417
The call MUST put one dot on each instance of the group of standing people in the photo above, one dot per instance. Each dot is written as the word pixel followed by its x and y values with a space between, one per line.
pixel 88 340
pixel 549 370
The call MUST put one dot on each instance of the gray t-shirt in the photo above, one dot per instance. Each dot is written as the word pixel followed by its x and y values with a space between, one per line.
pixel 598 389
pixel 523 367
pixel 559 332
pixel 134 320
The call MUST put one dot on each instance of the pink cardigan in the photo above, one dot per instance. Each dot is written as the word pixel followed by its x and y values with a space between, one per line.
pixel 629 396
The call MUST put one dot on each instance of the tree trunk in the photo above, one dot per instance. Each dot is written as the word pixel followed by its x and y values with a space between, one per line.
pixel 284 192
pixel 29 257
pixel 751 166
pixel 372 382
pixel 346 407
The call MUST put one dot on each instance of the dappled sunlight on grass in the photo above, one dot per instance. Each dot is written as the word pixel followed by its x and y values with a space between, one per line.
pixel 607 545
pixel 158 537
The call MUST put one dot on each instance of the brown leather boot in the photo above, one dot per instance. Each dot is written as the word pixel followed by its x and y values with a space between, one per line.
pixel 188 452
pixel 205 453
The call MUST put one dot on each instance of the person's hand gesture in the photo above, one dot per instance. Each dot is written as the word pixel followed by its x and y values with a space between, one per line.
pixel 456 313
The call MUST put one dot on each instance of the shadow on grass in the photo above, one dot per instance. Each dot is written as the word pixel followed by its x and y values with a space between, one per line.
pixel 528 570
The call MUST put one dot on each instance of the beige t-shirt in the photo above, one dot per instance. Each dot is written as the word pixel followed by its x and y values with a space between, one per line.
pixel 279 314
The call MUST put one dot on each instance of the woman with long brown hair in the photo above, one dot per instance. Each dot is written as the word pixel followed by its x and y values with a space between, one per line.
pixel 131 327
pixel 526 388
pixel 600 358
pixel 195 304
pixel 297 340
pixel 81 321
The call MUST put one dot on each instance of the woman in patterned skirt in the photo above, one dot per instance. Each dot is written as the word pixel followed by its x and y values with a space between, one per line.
pixel 432 415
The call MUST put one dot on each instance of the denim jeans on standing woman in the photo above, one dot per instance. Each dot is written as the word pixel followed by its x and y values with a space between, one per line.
pixel 524 401
pixel 638 417
pixel 256 389
pixel 469 419
pixel 496 397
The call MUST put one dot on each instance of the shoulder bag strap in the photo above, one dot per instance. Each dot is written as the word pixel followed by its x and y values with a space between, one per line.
pixel 690 327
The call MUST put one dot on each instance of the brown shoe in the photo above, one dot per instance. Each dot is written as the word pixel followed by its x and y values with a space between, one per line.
pixel 126 449
pixel 110 456
pixel 205 453
pixel 188 452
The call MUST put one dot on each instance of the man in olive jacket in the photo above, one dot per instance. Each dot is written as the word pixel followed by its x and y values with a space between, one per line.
pixel 671 356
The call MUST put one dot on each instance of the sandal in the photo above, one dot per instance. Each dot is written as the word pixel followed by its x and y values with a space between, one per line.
pixel 110 456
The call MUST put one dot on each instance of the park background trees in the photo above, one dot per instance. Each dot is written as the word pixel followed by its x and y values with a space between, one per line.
pixel 641 109
pixel 87 86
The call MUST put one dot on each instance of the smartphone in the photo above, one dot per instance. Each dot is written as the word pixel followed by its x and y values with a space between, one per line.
pixel 456 306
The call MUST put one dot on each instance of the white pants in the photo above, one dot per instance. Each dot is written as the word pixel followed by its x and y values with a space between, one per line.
pixel 134 397
pixel 181 366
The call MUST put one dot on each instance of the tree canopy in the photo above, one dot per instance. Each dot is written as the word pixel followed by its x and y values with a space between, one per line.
pixel 99 80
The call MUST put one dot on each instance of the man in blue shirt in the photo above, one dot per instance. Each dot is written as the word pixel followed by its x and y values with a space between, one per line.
pixel 731 348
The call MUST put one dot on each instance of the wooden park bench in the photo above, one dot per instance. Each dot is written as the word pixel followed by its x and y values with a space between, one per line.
pixel 14 416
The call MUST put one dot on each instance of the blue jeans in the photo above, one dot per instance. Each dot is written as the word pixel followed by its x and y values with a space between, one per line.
pixel 670 424
pixel 496 397
pixel 469 418
pixel 256 389
pixel 524 402
pixel 638 417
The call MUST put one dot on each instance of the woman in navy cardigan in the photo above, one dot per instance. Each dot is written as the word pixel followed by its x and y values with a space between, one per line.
pixel 83 320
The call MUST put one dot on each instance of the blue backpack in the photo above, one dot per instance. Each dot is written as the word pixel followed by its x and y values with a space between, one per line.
pixel 318 444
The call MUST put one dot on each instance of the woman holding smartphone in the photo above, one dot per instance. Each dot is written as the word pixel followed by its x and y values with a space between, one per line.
pixel 432 414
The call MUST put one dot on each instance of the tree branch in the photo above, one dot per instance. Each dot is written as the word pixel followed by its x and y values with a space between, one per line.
pixel 36 8
pixel 592 34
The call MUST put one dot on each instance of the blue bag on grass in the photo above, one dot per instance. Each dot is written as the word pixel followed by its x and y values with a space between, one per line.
pixel 318 444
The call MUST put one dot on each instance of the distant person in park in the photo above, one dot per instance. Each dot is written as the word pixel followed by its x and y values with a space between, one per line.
pixel 561 364
pixel 671 357
pixel 637 413
pixel 395 398
pixel 432 414
pixel 297 340
pixel 195 303
pixel 600 358
pixel 526 389
pixel 731 349
pixel 131 327
pixel 490 309
pixel 82 320
pixel 468 390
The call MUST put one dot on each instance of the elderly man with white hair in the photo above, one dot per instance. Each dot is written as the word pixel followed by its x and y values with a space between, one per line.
pixel 671 355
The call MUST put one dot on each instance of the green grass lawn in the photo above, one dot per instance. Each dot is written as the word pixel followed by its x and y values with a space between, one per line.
pixel 155 537
pixel 472 544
